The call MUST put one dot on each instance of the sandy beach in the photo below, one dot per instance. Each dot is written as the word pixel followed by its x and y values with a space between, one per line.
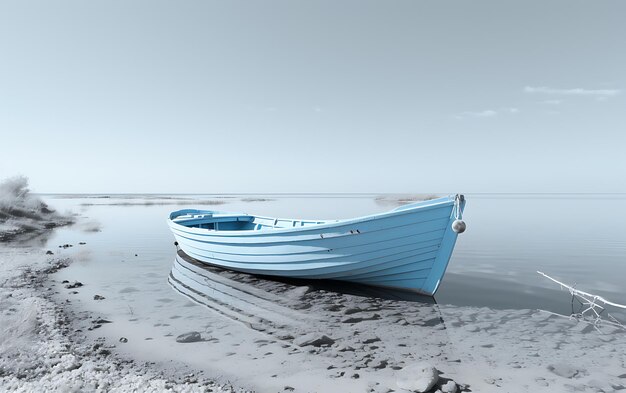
pixel 42 344
pixel 214 330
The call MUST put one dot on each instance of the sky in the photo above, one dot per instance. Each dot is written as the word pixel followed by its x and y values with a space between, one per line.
pixel 313 96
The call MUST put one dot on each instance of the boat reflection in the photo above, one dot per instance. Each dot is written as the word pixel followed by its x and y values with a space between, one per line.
pixel 275 306
pixel 348 323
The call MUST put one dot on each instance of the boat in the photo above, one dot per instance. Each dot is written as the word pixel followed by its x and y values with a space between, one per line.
pixel 406 248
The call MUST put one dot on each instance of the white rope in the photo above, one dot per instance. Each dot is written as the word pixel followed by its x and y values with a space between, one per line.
pixel 457 207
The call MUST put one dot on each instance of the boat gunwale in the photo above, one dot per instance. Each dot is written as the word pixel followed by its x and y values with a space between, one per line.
pixel 422 205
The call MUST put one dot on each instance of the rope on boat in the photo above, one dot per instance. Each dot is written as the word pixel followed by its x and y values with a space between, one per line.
pixel 457 207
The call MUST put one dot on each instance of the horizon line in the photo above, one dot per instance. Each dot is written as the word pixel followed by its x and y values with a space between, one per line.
pixel 331 193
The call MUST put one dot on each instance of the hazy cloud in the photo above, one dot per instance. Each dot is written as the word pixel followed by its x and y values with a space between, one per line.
pixel 485 113
pixel 551 102
pixel 573 92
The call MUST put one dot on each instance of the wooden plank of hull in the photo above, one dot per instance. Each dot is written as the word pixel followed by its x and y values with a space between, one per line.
pixel 335 271
pixel 419 241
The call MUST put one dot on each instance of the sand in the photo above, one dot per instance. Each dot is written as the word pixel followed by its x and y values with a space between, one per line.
pixel 268 336
pixel 41 349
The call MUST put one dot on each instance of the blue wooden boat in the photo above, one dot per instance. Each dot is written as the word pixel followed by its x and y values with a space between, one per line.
pixel 408 247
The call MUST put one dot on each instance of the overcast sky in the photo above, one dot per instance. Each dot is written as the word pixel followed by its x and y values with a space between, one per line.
pixel 314 96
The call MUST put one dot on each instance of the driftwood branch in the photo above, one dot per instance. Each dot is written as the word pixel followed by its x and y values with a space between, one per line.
pixel 575 291
pixel 592 303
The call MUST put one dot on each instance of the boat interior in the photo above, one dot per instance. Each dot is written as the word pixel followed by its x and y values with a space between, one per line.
pixel 221 221
pixel 238 222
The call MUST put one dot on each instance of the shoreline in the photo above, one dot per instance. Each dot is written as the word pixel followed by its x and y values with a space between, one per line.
pixel 59 355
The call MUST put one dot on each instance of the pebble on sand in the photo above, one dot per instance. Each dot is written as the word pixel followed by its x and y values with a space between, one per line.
pixel 76 284
pixel 417 378
pixel 297 292
pixel 449 387
pixel 563 370
pixel 189 337
pixel 370 340
pixel 313 339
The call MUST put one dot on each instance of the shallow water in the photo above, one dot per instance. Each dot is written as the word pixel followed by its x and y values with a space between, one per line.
pixel 249 323
pixel 578 239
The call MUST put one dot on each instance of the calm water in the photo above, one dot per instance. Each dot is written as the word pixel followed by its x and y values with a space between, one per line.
pixel 576 238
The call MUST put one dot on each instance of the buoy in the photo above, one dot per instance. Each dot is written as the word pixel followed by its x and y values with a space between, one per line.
pixel 458 226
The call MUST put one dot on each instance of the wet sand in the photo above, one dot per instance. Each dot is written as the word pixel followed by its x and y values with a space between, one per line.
pixel 266 335
pixel 43 345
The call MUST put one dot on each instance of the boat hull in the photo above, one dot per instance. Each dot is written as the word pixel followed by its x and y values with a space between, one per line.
pixel 408 248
